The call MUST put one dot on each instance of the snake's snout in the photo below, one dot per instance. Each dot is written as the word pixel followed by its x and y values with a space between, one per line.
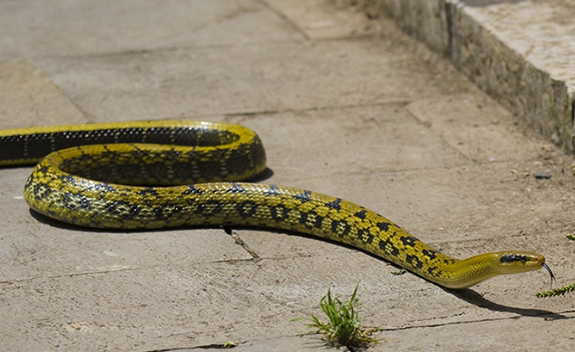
pixel 520 261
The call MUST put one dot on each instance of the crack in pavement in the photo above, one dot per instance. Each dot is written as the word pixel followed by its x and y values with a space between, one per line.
pixel 239 241
pixel 468 322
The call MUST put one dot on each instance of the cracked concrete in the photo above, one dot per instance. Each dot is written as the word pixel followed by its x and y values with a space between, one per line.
pixel 345 105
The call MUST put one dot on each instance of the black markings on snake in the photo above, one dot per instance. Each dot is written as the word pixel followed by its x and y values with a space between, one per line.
pixel 104 187
pixel 124 209
pixel 172 154
pixel 235 188
pixel 414 261
pixel 159 212
pixel 311 220
pixel 364 236
pixel 134 210
pixel 165 211
pixel 383 226
pixel 388 247
pixel 73 201
pixel 272 191
pixel 360 214
pixel 210 207
pixel 303 197
pixel 148 190
pixel 341 228
pixel 318 221
pixel 84 202
pixel 429 253
pixel 192 190
pixel 279 212
pixel 512 258
pixel 68 200
pixel 408 241
pixel 336 204
pixel 66 178
pixel 247 208
pixel 303 219
pixel 41 191
pixel 43 169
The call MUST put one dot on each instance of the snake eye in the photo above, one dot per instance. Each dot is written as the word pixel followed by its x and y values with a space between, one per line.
pixel 513 258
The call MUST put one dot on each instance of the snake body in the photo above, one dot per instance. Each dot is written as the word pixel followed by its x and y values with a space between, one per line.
pixel 148 175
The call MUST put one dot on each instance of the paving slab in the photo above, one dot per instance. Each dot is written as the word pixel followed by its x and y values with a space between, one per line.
pixel 230 80
pixel 324 20
pixel 345 105
pixel 80 28
pixel 28 97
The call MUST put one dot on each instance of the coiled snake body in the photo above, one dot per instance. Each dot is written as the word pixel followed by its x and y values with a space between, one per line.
pixel 158 179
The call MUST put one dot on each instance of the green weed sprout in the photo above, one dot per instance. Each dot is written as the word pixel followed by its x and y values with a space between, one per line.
pixel 556 292
pixel 561 290
pixel 344 326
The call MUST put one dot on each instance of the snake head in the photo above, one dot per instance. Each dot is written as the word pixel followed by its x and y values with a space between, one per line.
pixel 520 261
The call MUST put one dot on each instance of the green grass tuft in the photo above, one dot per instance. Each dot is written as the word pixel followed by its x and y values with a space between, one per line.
pixel 556 292
pixel 344 326
pixel 561 290
pixel 230 344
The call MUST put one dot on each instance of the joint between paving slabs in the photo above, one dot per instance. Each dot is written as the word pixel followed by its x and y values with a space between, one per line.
pixel 240 242
pixel 573 126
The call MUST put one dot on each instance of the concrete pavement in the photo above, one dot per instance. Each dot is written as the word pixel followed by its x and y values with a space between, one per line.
pixel 346 106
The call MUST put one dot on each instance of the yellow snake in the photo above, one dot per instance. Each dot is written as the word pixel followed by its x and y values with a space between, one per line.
pixel 153 174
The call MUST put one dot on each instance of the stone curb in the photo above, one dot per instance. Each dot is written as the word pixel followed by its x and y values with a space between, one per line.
pixel 517 51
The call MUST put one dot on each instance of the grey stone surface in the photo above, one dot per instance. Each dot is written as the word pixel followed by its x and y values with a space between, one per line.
pixel 28 97
pixel 209 81
pixel 79 28
pixel 346 106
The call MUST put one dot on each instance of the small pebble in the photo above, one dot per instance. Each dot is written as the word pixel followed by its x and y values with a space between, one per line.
pixel 542 175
